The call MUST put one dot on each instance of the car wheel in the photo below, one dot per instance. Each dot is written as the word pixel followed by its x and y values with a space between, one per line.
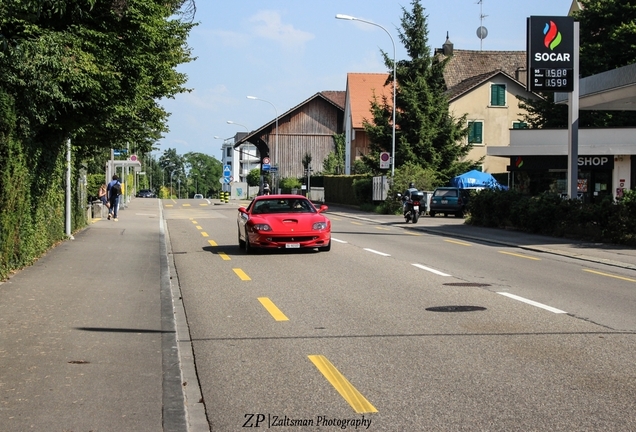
pixel 325 248
pixel 241 242
pixel 431 214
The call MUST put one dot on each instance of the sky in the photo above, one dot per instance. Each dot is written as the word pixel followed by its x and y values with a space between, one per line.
pixel 286 51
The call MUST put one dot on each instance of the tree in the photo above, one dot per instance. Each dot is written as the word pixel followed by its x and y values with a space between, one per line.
pixel 427 133
pixel 93 71
pixel 607 41
pixel 335 161
pixel 204 173
pixel 254 177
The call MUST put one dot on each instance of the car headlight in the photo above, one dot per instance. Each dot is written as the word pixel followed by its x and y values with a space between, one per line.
pixel 261 227
pixel 320 225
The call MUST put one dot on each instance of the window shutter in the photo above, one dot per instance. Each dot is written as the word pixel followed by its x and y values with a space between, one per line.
pixel 497 95
pixel 475 130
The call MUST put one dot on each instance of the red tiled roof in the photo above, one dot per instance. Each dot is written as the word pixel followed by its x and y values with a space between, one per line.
pixel 362 87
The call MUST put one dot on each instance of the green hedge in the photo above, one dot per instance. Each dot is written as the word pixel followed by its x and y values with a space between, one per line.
pixel 32 196
pixel 340 189
pixel 548 214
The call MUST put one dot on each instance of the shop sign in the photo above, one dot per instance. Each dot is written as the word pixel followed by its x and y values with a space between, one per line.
pixel 537 163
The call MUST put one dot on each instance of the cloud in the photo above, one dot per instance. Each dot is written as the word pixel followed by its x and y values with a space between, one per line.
pixel 230 38
pixel 209 99
pixel 268 25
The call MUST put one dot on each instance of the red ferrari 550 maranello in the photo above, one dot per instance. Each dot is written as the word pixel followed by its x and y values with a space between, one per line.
pixel 283 221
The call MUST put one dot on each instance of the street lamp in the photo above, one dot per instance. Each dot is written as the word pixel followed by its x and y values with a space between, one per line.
pixel 238 124
pixel 171 187
pixel 351 18
pixel 163 171
pixel 274 159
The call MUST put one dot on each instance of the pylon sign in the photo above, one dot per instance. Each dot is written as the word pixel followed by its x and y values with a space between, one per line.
pixel 550 43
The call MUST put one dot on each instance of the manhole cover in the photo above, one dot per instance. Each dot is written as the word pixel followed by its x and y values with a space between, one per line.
pixel 455 308
pixel 467 284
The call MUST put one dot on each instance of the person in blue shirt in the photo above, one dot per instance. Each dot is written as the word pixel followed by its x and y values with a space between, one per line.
pixel 114 191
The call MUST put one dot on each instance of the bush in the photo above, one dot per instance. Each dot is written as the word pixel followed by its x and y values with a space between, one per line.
pixel 289 183
pixel 363 188
pixel 549 214
pixel 423 179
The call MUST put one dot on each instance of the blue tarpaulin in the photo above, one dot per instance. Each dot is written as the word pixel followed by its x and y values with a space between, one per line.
pixel 476 178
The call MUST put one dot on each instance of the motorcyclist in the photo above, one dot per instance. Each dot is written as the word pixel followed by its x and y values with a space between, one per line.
pixel 406 197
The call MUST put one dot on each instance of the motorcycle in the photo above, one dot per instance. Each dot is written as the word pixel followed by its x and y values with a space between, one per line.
pixel 412 206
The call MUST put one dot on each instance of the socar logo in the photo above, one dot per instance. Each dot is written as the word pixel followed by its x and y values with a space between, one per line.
pixel 552 35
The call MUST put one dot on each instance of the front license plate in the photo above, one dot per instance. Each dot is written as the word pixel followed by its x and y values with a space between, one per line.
pixel 292 245
pixel 416 208
pixel 444 201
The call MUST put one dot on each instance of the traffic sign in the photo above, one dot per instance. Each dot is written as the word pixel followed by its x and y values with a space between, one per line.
pixel 133 158
pixel 385 158
pixel 266 160
pixel 267 167
pixel 273 169
pixel 227 171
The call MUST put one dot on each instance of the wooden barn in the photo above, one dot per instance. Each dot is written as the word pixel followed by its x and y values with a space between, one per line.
pixel 309 127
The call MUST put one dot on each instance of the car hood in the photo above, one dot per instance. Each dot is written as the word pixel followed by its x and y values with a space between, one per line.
pixel 290 222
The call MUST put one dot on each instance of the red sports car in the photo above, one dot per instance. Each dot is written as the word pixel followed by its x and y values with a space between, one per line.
pixel 283 221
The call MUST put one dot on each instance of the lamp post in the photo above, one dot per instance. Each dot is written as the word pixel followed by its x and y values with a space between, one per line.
pixel 163 171
pixel 238 124
pixel 351 18
pixel 275 158
pixel 171 173
pixel 241 162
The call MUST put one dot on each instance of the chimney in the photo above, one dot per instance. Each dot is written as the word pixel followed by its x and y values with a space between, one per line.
pixel 521 74
pixel 447 48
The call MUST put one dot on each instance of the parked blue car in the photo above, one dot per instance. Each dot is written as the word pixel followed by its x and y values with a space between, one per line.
pixel 449 200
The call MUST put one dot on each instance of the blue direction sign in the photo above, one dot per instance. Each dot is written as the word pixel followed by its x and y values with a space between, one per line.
pixel 273 169
pixel 227 171
pixel 267 167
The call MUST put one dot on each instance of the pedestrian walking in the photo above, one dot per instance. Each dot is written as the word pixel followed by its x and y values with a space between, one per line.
pixel 102 194
pixel 114 192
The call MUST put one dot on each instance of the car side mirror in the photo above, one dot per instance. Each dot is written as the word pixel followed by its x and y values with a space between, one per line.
pixel 242 210
pixel 323 208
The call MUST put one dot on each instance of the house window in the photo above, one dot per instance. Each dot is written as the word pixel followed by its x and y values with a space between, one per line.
pixel 476 132
pixel 519 125
pixel 229 152
pixel 498 95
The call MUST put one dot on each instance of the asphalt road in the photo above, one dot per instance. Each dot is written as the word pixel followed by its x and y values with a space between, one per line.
pixel 370 334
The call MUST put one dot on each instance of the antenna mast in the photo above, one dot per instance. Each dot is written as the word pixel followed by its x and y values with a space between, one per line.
pixel 482 31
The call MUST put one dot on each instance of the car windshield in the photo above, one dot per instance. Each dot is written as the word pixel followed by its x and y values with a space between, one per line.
pixel 283 205
pixel 446 192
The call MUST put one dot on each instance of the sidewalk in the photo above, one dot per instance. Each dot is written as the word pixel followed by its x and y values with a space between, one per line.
pixel 83 345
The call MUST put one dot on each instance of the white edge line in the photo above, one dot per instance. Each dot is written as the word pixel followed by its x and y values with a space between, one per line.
pixel 376 252
pixel 339 241
pixel 532 302
pixel 437 272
